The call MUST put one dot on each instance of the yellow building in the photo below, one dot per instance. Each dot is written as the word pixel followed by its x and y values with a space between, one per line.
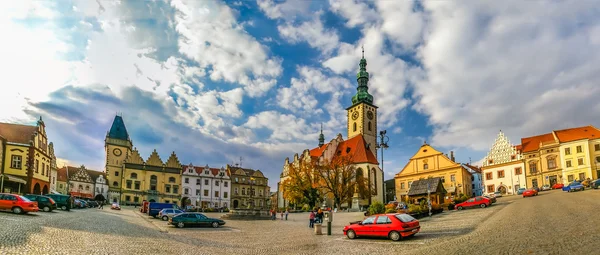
pixel 249 188
pixel 131 179
pixel 430 163
pixel 541 155
pixel 579 150
pixel 25 157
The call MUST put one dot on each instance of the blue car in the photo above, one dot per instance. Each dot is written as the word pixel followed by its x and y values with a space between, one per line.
pixel 573 186
pixel 520 191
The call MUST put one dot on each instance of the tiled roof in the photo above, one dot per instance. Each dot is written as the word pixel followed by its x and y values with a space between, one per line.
pixel 474 168
pixel 419 187
pixel 317 152
pixel 578 133
pixel 354 147
pixel 17 133
pixel 95 174
pixel 118 130
pixel 533 143
pixel 61 174
pixel 519 147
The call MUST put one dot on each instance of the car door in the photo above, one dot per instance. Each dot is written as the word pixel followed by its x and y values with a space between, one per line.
pixel 470 202
pixel 383 226
pixel 3 202
pixel 367 226
pixel 202 220
pixel 174 212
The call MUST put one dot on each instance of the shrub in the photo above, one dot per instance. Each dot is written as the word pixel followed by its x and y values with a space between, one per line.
pixel 376 208
pixel 390 210
pixel 414 209
pixel 305 208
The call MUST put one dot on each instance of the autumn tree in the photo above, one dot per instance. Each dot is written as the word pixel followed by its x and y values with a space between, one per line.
pixel 300 187
pixel 340 179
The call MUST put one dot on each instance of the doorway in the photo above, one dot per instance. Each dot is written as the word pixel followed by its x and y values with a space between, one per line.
pixel 534 183
pixel 553 179
pixel 235 204
pixel 502 189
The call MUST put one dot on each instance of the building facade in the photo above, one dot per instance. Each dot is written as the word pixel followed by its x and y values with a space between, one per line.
pixel 131 179
pixel 541 156
pixel 25 159
pixel 579 150
pixel 62 181
pixel 205 187
pixel 80 183
pixel 476 179
pixel 430 163
pixel 249 188
pixel 361 145
pixel 53 169
pixel 503 167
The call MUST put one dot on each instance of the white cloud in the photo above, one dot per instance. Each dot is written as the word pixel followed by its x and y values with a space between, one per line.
pixel 523 68
pixel 403 25
pixel 354 11
pixel 312 32
pixel 286 10
pixel 284 127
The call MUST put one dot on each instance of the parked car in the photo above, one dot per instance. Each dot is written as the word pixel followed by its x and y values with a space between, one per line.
pixel 45 203
pixel 165 214
pixel 92 204
pixel 586 183
pixel 530 193
pixel 536 188
pixel 546 187
pixel 154 208
pixel 194 219
pixel 558 186
pixel 83 204
pixel 17 204
pixel 497 194
pixel 64 202
pixel 521 190
pixel 115 206
pixel 491 198
pixel 595 184
pixel 394 226
pixel 478 201
pixel 573 186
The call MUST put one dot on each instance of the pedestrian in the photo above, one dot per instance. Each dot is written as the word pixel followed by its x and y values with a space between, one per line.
pixel 320 215
pixel 311 219
pixel 101 207
pixel 286 213
pixel 281 214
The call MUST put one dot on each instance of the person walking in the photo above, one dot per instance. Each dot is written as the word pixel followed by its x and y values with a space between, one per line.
pixel 101 207
pixel 281 214
pixel 286 213
pixel 311 219
pixel 320 215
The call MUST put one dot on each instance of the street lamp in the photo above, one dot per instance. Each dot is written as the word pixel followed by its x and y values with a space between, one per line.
pixel 251 191
pixel 383 144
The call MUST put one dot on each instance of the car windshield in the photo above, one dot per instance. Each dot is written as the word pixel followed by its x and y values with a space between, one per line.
pixel 574 183
pixel 25 199
pixel 405 218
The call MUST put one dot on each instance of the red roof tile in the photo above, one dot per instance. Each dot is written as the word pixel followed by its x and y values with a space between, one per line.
pixel 533 143
pixel 61 174
pixel 317 152
pixel 354 147
pixel 17 133
pixel 578 133
pixel 519 147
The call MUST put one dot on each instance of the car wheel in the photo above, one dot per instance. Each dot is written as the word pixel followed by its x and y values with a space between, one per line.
pixel 165 218
pixel 482 205
pixel 215 224
pixel 17 210
pixel 64 207
pixel 46 209
pixel 459 208
pixel 180 225
pixel 394 235
pixel 350 234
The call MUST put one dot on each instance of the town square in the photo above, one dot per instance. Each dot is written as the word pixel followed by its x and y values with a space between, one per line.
pixel 299 127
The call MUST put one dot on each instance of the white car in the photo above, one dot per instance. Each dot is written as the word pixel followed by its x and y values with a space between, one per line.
pixel 165 214
pixel 546 187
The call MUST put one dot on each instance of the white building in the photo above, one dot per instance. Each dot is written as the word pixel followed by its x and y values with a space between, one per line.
pixel 476 179
pixel 206 187
pixel 53 168
pixel 85 183
pixel 101 186
pixel 503 168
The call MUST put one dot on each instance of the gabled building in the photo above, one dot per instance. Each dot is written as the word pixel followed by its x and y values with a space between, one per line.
pixel 476 179
pixel 541 156
pixel 503 167
pixel 25 157
pixel 249 188
pixel 429 163
pixel 580 151
pixel 206 187
pixel 53 168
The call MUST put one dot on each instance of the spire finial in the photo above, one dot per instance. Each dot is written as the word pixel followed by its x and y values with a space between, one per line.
pixel 321 137
pixel 363 51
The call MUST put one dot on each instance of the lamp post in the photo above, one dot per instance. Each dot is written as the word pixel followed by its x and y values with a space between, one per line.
pixel 429 198
pixel 251 201
pixel 383 144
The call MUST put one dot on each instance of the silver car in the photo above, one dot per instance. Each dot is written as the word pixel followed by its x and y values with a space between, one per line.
pixel 165 214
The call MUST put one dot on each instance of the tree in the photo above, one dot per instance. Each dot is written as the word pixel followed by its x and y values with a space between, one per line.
pixel 300 187
pixel 339 179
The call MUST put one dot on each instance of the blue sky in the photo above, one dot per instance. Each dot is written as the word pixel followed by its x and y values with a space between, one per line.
pixel 218 80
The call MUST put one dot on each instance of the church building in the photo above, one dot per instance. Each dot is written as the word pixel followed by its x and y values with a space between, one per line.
pixel 360 146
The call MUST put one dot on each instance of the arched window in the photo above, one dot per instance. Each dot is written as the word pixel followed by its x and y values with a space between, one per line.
pixel 171 179
pixel 80 187
pixel 369 126
pixel 133 176
pixel 186 191
pixel 115 184
pixel 354 126
pixel 87 187
pixel 425 166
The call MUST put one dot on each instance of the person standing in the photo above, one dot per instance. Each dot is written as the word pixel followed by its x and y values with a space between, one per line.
pixel 281 214
pixel 101 207
pixel 286 213
pixel 311 219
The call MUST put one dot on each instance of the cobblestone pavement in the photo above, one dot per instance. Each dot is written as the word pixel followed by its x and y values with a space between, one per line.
pixel 553 222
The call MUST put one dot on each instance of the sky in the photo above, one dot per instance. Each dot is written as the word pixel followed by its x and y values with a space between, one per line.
pixel 216 81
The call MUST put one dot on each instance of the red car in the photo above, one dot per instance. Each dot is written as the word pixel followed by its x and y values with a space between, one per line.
pixel 558 186
pixel 530 193
pixel 479 201
pixel 17 204
pixel 394 226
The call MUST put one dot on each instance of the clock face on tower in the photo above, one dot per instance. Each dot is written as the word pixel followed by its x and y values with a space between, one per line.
pixel 355 115
pixel 370 115
pixel 117 152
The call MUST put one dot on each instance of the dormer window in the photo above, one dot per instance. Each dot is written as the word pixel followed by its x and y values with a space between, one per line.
pixel 206 172
pixel 348 150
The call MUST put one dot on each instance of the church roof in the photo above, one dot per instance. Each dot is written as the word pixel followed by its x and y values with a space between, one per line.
pixel 118 130
pixel 355 148
pixel 17 133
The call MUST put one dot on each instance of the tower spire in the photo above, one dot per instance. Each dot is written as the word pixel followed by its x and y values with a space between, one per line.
pixel 362 77
pixel 321 137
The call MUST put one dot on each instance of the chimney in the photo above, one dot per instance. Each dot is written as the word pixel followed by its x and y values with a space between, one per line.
pixel 452 156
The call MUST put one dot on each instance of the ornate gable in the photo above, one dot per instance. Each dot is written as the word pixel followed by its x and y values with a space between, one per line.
pixel 154 159
pixel 134 157
pixel 173 161
pixel 82 175
pixel 258 173
pixel 501 152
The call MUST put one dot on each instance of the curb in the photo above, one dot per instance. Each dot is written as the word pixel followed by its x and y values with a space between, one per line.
pixel 160 229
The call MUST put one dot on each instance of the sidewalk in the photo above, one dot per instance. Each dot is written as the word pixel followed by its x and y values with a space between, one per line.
pixel 159 224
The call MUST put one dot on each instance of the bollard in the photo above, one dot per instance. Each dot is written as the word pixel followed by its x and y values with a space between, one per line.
pixel 329 228
pixel 318 230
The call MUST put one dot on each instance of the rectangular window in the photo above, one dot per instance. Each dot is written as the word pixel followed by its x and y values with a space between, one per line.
pixel 490 189
pixel 409 184
pixel 570 178
pixel 489 176
pixel 452 178
pixel 205 182
pixel 567 151
pixel 581 176
pixel 48 170
pixel 501 174
pixel 60 186
pixel 175 189
pixel 206 193
pixel 187 180
pixel 402 185
pixel 225 194
pixel 235 191
pixel 216 193
pixel 579 149
pixel 568 163
pixel 43 168
pixel 127 198
pixel 532 167
pixel 216 183
pixel 580 161
pixel 598 159
pixel 443 179
pixel 518 171
pixel 37 166
pixel 197 181
pixel 167 188
pixel 16 162
pixel 116 173
pixel 551 163
pixel 597 147
pixel 472 186
pixel 136 199
pixel 534 182
pixel 225 184
pixel 137 185
pixel 129 184
pixel 197 192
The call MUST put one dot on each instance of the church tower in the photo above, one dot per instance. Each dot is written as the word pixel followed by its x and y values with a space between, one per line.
pixel 362 115
pixel 117 146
